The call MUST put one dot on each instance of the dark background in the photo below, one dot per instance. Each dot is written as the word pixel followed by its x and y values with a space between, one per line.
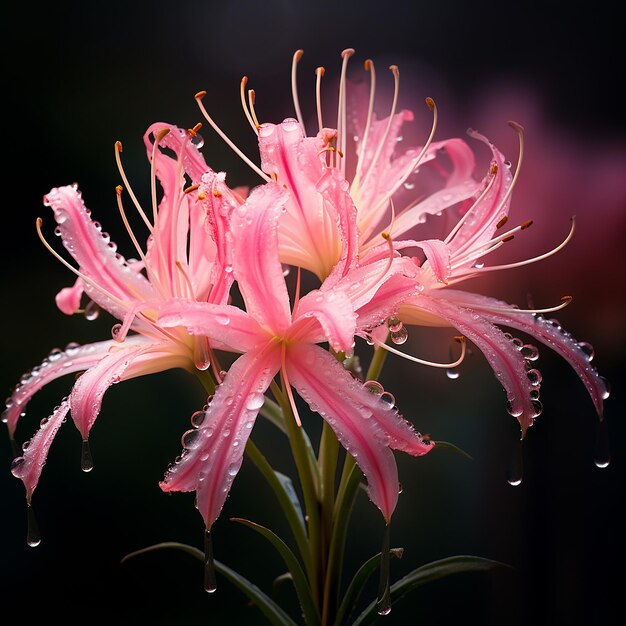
pixel 79 76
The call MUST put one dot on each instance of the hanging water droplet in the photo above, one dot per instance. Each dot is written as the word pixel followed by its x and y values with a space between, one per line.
pixel 479 265
pixel 607 388
pixel 383 603
pixel 602 451
pixel 189 438
pixel 197 418
pixel 373 386
pixel 529 352
pixel 587 348
pixel 86 460
pixel 92 311
pixel 452 373
pixel 388 398
pixel 515 472
pixel 534 377
pixel 399 337
pixel 210 584
pixel 33 537
pixel 394 324
pixel 286 269
pixel 513 409
pixel 197 139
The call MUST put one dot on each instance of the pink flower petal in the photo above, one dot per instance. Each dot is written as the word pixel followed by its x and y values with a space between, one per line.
pixel 506 361
pixel 68 299
pixel 363 423
pixel 226 326
pixel 29 466
pixel 58 363
pixel 97 259
pixel 213 454
pixel 549 333
pixel 257 268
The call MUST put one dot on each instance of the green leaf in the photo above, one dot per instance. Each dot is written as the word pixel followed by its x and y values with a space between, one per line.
pixel 300 582
pixel 428 573
pixel 288 488
pixel 357 583
pixel 266 605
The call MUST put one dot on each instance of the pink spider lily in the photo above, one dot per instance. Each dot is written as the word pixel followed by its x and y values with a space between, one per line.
pixel 276 340
pixel 186 253
pixel 337 196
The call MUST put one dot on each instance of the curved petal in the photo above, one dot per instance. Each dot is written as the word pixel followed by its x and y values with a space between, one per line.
pixel 68 299
pixel 228 326
pixel 121 363
pixel 336 319
pixel 507 362
pixel 97 259
pixel 549 332
pixel 213 454
pixel 256 266
pixel 365 425
pixel 178 140
pixel 58 363
pixel 29 466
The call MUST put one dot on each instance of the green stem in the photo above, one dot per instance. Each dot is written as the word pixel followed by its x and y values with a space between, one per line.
pixel 295 523
pixel 300 453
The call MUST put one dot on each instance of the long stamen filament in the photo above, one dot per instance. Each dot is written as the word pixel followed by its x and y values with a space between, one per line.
pixel 287 386
pixel 319 72
pixel 369 67
pixel 381 144
pixel 118 192
pixel 242 94
pixel 565 301
pixel 131 193
pixel 460 339
pixel 223 135
pixel 251 103
pixel 294 86
pixel 341 111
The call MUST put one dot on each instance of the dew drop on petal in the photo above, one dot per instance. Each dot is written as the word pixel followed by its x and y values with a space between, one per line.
pixel 587 348
pixel 190 438
pixel 400 336
pixel 373 386
pixel 197 418
pixel 255 401
pixel 529 352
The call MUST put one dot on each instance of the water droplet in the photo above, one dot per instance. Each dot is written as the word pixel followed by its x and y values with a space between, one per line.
pixel 607 388
pixel 602 451
pixel 189 438
pixel 15 465
pixel 210 584
pixel 534 376
pixel 222 319
pixel 399 337
pixel 587 348
pixel 373 386
pixel 228 268
pixel 394 324
pixel 233 468
pixel 388 398
pixel 92 311
pixel 197 418
pixel 452 373
pixel 255 401
pixel 515 472
pixel 33 537
pixel 286 269
pixel 86 460
pixel 383 603
pixel 529 352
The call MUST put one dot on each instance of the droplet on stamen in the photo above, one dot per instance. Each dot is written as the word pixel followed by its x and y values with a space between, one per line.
pixel 33 538
pixel 602 450
pixel 86 460
pixel 210 583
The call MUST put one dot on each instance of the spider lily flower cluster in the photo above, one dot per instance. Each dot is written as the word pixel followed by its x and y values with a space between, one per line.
pixel 342 203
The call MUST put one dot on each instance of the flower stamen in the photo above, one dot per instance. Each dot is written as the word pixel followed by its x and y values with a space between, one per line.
pixel 198 97
pixel 133 197
pixel 460 339
pixel 242 93
pixel 297 55
pixel 319 72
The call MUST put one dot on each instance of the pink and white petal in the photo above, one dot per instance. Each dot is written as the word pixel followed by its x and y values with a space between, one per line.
pixel 549 333
pixel 366 426
pixel 479 223
pixel 89 388
pixel 226 325
pixel 178 140
pixel 335 317
pixel 97 259
pixel 508 364
pixel 213 455
pixel 68 299
pixel 29 466
pixel 256 264
pixel 58 363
